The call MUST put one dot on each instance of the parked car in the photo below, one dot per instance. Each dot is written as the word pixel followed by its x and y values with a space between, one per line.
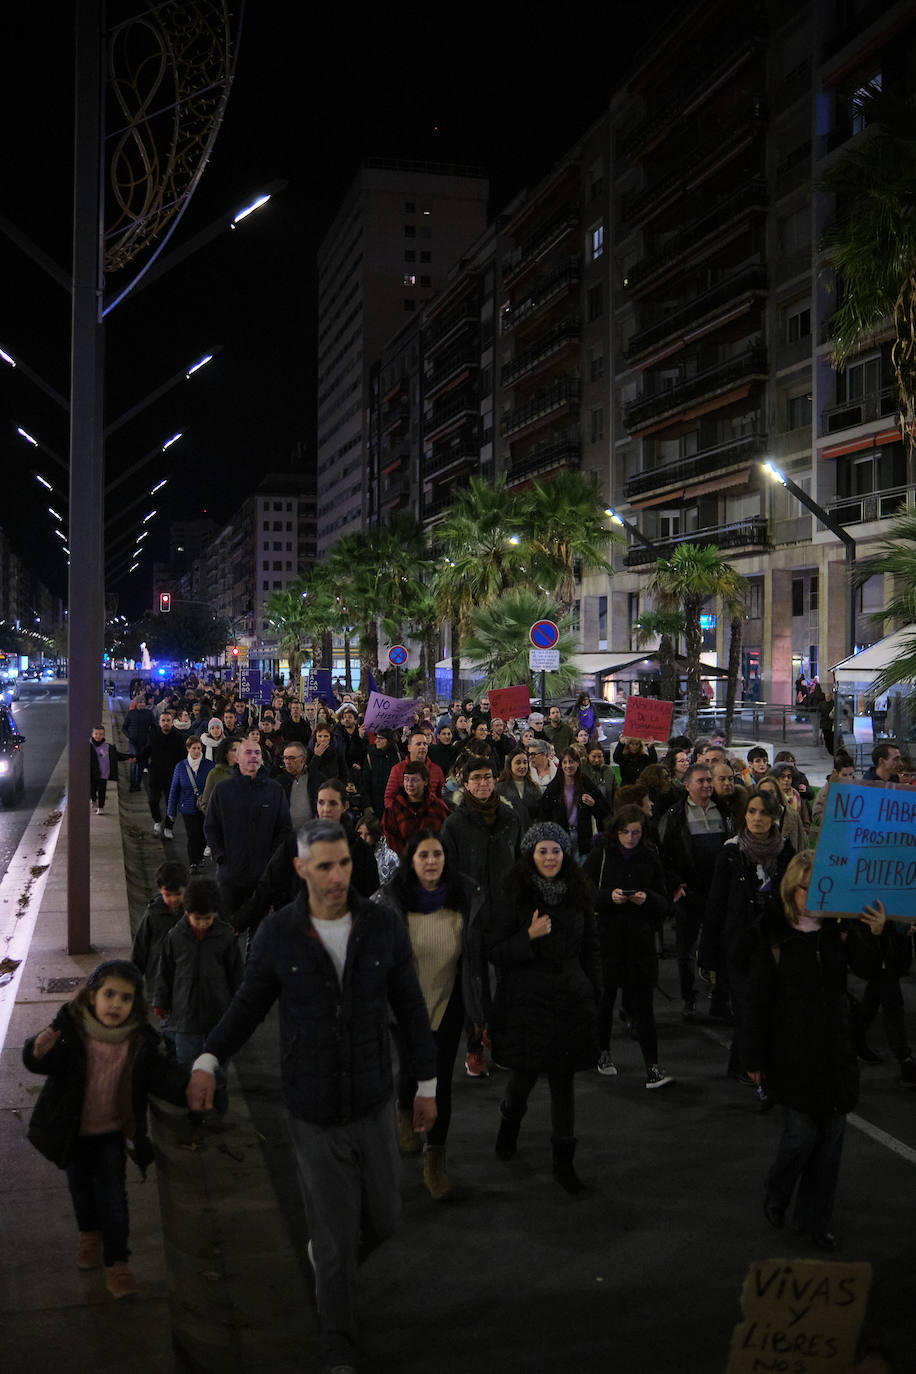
pixel 9 690
pixel 608 716
pixel 12 767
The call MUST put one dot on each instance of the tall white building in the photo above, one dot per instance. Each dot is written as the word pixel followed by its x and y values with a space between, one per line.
pixel 401 227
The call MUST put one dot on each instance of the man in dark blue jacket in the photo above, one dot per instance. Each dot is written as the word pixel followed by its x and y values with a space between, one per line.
pixel 336 963
pixel 244 826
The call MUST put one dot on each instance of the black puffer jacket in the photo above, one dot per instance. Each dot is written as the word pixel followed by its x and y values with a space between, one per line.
pixel 545 1009
pixel 197 978
pixel 736 910
pixel 55 1124
pixel 626 932
pixel 798 1031
pixel 334 1050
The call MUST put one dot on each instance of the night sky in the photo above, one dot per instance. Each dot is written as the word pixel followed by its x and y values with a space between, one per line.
pixel 311 98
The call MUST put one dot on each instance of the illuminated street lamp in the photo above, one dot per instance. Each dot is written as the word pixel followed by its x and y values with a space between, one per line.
pixel 841 533
pixel 637 534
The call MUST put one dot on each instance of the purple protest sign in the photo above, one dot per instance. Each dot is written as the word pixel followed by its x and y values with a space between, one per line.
pixel 389 712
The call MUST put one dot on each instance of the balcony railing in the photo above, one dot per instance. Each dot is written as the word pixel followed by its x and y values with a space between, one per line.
pixel 563 394
pixel 545 346
pixel 465 451
pixel 449 365
pixel 710 225
pixel 716 459
pixel 873 405
pixel 564 451
pixel 877 505
pixel 796 83
pixel 743 534
pixel 543 292
pixel 704 81
pixel 751 279
pixel 751 364
pixel 449 416
pixel 465 314
pixel 546 236
pixel 669 185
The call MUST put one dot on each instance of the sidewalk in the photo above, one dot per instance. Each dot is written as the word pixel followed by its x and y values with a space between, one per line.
pixel 222 1288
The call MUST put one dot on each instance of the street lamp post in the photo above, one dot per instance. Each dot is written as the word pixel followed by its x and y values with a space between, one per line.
pixel 637 533
pixel 841 533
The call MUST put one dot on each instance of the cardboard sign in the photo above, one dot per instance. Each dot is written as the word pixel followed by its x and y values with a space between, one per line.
pixel 389 712
pixel 647 718
pixel 866 850
pixel 800 1316
pixel 509 702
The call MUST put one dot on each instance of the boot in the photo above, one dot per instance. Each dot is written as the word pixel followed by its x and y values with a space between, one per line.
pixel 434 1175
pixel 507 1136
pixel 89 1253
pixel 563 1171
pixel 408 1140
pixel 119 1281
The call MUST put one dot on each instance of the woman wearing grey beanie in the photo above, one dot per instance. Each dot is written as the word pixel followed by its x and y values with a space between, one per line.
pixel 544 1017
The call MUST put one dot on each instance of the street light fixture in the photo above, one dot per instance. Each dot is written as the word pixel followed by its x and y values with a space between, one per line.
pixel 249 210
pixel 834 527
pixel 39 478
pixel 637 534
pixel 26 436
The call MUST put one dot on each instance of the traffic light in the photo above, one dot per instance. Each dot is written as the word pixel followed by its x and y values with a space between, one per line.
pixel 235 651
pixel 165 602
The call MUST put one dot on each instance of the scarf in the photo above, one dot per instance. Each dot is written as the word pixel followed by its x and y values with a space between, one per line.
pixel 91 1027
pixel 430 901
pixel 553 890
pixel 487 810
pixel 762 851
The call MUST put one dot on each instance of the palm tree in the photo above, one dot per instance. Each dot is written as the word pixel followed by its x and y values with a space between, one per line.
pixel 896 556
pixel 483 556
pixel 668 626
pixel 285 612
pixel 872 247
pixel 565 525
pixel 693 574
pixel 498 641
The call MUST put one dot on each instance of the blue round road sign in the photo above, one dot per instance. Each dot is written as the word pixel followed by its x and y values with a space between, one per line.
pixel 543 634
pixel 397 655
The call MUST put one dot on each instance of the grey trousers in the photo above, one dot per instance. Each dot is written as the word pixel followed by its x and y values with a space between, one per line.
pixel 350 1180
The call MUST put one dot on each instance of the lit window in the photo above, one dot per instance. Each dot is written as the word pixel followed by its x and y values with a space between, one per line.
pixel 409 279
pixel 596 241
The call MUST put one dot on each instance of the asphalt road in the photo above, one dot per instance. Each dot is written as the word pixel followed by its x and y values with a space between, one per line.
pixel 41 715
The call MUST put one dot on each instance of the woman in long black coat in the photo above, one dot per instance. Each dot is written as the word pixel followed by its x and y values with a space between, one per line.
pixel 632 900
pixel 574 802
pixel 544 1016
pixel 800 1041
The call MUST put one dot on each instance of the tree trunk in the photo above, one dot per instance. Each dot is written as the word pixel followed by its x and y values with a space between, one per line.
pixel 694 641
pixel 368 654
pixel 348 666
pixel 456 659
pixel 734 670
pixel 431 643
pixel 667 671
pixel 327 649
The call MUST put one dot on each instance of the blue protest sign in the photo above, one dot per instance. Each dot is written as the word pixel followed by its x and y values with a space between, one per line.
pixel 866 851
pixel 310 687
pixel 250 683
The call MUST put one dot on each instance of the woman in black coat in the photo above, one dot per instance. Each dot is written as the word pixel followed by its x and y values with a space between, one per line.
pixel 544 1020
pixel 799 1039
pixel 573 802
pixel 630 882
pixel 743 896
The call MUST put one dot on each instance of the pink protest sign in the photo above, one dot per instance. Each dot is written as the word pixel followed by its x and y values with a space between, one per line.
pixel 389 712
pixel 647 718
pixel 509 702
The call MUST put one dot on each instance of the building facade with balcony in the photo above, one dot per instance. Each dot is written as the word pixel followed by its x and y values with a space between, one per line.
pixel 721 322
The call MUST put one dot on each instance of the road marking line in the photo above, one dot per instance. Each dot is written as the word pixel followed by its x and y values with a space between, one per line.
pixel 882 1137
pixel 17 926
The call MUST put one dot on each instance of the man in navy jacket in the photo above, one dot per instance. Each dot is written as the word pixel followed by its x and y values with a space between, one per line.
pixel 335 962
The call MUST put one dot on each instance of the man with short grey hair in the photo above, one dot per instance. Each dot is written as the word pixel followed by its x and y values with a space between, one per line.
pixel 295 783
pixel 336 963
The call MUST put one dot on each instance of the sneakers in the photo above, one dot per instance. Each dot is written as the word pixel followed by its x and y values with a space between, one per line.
pixel 475 1066
pixel 208 853
pixel 100 810
pixel 119 1281
pixel 908 1070
pixel 157 827
pixel 657 1078
pixel 168 834
pixel 606 1064
pixel 89 1252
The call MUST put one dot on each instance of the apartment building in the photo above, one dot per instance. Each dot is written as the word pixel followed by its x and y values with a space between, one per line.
pixel 399 230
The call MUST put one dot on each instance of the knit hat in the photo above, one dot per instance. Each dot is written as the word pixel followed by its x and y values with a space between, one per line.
pixel 546 830
pixel 215 721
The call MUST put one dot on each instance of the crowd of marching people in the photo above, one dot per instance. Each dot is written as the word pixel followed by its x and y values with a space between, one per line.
pixel 532 878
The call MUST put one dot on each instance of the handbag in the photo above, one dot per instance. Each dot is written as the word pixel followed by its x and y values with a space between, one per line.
pixel 192 780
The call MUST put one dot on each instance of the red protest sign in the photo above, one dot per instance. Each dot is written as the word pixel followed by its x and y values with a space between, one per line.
pixel 647 718
pixel 506 702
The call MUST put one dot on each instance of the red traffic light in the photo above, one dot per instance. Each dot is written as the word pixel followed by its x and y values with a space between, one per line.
pixel 235 651
pixel 165 602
